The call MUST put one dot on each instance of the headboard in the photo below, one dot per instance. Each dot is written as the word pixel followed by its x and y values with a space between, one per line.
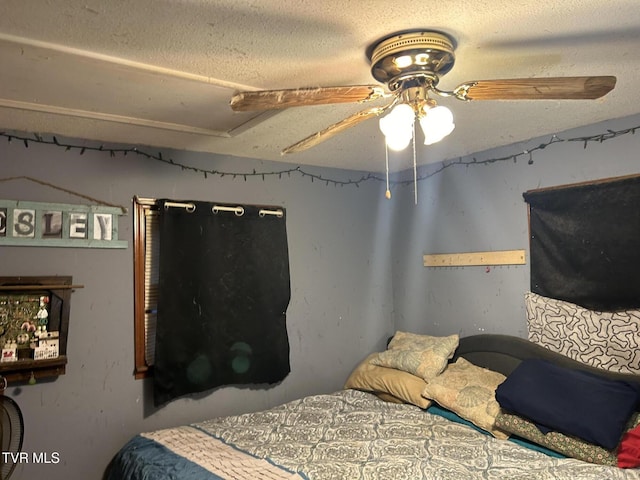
pixel 503 353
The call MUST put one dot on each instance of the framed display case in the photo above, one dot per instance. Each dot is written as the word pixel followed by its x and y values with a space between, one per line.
pixel 34 325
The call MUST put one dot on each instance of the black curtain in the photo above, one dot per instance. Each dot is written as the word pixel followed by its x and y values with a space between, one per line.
pixel 584 244
pixel 223 294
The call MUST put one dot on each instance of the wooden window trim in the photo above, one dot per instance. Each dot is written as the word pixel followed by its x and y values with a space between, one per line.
pixel 141 205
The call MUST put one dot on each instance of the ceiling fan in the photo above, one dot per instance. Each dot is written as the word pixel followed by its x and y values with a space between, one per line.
pixel 410 65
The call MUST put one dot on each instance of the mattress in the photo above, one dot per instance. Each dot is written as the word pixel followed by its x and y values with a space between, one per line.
pixel 348 434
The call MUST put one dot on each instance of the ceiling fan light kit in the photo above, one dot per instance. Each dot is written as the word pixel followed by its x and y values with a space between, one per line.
pixel 410 65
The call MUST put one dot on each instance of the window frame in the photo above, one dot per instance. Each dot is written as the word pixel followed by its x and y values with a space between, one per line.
pixel 141 207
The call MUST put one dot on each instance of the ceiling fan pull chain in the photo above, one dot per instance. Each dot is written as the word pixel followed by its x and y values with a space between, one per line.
pixel 415 168
pixel 387 194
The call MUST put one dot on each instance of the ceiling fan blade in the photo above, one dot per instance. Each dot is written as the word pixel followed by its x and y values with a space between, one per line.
pixel 299 97
pixel 550 88
pixel 330 131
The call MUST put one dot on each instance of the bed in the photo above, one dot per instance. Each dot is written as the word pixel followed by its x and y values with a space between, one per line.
pixel 383 429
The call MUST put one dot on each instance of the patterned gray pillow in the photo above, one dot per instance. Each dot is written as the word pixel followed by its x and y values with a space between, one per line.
pixel 607 340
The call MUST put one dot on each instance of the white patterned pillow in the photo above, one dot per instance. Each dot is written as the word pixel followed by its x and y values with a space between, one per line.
pixel 607 340
pixel 421 355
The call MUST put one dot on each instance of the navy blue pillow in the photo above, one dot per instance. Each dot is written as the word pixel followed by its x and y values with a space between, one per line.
pixel 572 402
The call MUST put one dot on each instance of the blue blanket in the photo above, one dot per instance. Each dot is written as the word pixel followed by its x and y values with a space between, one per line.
pixel 144 459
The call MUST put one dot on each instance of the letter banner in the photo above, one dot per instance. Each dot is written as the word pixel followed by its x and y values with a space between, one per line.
pixel 59 225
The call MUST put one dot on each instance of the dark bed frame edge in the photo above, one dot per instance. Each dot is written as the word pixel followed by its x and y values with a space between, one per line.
pixel 503 353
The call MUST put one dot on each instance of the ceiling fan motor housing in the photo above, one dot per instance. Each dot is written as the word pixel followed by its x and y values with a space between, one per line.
pixel 405 56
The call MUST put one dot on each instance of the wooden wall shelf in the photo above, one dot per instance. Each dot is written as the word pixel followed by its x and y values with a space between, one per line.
pixel 23 370
pixel 468 259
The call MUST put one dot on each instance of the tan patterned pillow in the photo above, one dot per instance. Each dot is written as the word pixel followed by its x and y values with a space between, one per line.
pixel 567 445
pixel 469 391
pixel 399 384
pixel 421 355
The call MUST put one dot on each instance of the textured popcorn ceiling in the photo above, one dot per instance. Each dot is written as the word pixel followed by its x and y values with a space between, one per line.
pixel 161 72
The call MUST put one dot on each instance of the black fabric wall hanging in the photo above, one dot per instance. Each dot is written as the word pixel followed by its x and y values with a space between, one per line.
pixel 223 294
pixel 584 243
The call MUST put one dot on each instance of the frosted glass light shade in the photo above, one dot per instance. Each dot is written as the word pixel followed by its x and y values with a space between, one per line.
pixel 436 124
pixel 397 126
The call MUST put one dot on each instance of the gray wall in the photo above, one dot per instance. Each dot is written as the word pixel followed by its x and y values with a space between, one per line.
pixel 480 208
pixel 356 276
pixel 340 309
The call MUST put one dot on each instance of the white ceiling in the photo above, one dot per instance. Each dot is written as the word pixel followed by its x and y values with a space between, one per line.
pixel 161 72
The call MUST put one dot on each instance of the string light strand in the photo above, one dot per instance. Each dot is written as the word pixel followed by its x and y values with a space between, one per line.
pixel 299 170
